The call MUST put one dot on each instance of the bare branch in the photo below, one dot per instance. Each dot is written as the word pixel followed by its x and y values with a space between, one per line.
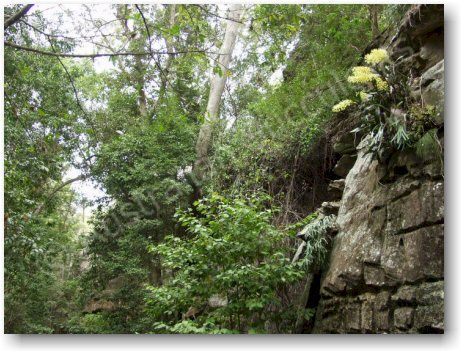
pixel 92 56
pixel 216 15
pixel 145 26
pixel 88 37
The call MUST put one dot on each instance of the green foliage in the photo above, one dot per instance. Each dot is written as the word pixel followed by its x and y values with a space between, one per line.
pixel 316 235
pixel 280 123
pixel 294 228
pixel 394 13
pixel 143 209
pixel 95 323
pixel 41 247
pixel 428 146
pixel 230 252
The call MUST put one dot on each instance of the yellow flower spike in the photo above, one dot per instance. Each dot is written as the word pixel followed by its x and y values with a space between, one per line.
pixel 361 70
pixel 376 56
pixel 362 75
pixel 381 84
pixel 364 96
pixel 342 105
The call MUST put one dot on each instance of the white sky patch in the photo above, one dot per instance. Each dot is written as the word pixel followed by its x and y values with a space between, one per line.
pixel 276 77
pixel 87 188
pixel 99 12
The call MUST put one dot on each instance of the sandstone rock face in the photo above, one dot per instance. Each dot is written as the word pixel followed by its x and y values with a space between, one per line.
pixel 433 89
pixel 386 267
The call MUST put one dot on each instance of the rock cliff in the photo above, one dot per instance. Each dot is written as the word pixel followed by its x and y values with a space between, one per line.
pixel 386 268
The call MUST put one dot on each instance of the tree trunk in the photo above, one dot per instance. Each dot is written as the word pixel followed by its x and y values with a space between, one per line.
pixel 142 104
pixel 123 11
pixel 217 86
pixel 301 304
pixel 374 18
pixel 169 45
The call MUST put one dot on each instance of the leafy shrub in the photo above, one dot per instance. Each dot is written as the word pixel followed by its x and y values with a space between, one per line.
pixel 231 254
pixel 94 324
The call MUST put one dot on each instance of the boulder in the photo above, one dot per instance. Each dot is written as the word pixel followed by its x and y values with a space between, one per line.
pixel 374 276
pixel 414 256
pixel 430 293
pixel 329 208
pixel 367 316
pixel 405 295
pixel 422 206
pixel 430 319
pixel 98 305
pixel 432 50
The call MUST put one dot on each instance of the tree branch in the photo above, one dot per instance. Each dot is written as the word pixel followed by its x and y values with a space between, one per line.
pixel 76 94
pixel 216 15
pixel 56 190
pixel 92 56
pixel 88 37
pixel 159 67
pixel 145 26
pixel 17 16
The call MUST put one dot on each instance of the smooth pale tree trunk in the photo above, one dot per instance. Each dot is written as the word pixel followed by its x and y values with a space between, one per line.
pixel 217 85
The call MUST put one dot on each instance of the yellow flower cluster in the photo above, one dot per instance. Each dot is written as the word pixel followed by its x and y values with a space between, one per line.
pixel 376 56
pixel 363 95
pixel 342 105
pixel 382 85
pixel 366 75
pixel 362 75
